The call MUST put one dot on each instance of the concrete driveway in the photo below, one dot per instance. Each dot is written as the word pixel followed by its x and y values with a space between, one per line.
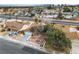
pixel 75 47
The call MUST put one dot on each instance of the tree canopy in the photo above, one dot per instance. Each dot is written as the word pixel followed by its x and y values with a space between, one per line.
pixel 57 40
pixel 67 9
pixel 60 16
pixel 49 7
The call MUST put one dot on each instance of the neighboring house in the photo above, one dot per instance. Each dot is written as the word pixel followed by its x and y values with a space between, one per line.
pixel 76 18
pixel 67 15
pixel 16 25
pixel 72 35
pixel 76 14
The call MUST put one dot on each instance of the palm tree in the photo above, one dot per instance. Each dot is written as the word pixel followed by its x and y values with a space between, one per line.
pixel 37 19
pixel 60 14
pixel 5 10
pixel 72 11
pixel 16 16
pixel 11 12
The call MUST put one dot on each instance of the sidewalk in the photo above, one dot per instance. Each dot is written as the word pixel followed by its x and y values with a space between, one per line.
pixel 75 47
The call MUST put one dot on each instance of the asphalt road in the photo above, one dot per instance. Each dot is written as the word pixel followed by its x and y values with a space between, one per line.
pixel 7 47
pixel 14 17
pixel 51 21
pixel 66 23
pixel 48 20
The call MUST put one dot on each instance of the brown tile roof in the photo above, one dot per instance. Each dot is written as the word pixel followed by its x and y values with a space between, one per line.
pixel 14 25
pixel 72 35
pixel 66 28
pixel 77 18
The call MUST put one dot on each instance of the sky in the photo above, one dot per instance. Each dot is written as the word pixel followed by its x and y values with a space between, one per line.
pixel 30 2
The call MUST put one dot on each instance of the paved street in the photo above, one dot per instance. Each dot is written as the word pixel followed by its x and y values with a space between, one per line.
pixel 48 20
pixel 66 23
pixel 70 22
pixel 14 17
pixel 8 47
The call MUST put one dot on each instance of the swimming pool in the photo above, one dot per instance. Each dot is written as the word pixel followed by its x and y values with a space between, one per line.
pixel 26 36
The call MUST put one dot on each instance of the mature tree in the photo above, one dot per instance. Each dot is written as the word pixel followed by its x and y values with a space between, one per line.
pixel 36 20
pixel 66 9
pixel 57 40
pixel 60 16
pixel 16 15
pixel 48 27
pixel 49 7
pixel 72 11
pixel 32 15
pixel 11 12
pixel 5 10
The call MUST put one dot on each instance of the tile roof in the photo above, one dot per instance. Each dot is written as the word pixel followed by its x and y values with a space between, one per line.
pixel 77 18
pixel 72 35
pixel 15 25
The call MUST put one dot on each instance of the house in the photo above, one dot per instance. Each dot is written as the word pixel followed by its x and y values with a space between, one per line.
pixel 72 35
pixel 17 26
pixel 14 25
pixel 77 18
